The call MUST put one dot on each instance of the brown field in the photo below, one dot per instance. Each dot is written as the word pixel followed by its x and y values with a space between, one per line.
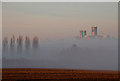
pixel 58 74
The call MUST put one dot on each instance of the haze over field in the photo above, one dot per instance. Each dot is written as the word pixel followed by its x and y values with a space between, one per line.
pixel 56 25
pixel 70 54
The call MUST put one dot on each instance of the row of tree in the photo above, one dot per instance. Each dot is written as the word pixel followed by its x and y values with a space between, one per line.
pixel 19 42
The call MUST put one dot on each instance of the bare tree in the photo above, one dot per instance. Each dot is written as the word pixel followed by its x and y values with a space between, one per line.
pixel 5 47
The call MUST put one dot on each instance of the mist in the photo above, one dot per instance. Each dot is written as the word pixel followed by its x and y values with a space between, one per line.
pixel 93 54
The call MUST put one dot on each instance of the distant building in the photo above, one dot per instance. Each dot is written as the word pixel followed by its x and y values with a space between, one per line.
pixel 99 37
pixel 94 31
pixel 83 33
pixel 91 37
pixel 106 36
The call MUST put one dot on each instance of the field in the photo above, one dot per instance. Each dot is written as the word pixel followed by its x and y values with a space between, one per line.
pixel 12 74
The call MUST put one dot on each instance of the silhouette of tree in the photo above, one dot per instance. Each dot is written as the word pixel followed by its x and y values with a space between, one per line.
pixel 27 42
pixel 19 44
pixel 35 42
pixel 75 48
pixel 5 47
pixel 12 43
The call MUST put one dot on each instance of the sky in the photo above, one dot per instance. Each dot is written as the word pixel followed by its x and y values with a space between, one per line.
pixel 58 20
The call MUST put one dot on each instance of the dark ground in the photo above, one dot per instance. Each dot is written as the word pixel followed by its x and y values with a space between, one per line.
pixel 15 74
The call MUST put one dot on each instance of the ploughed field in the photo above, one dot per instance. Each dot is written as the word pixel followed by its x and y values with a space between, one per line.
pixel 11 74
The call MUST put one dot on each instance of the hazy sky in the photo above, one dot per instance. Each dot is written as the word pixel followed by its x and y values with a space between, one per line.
pixel 59 20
